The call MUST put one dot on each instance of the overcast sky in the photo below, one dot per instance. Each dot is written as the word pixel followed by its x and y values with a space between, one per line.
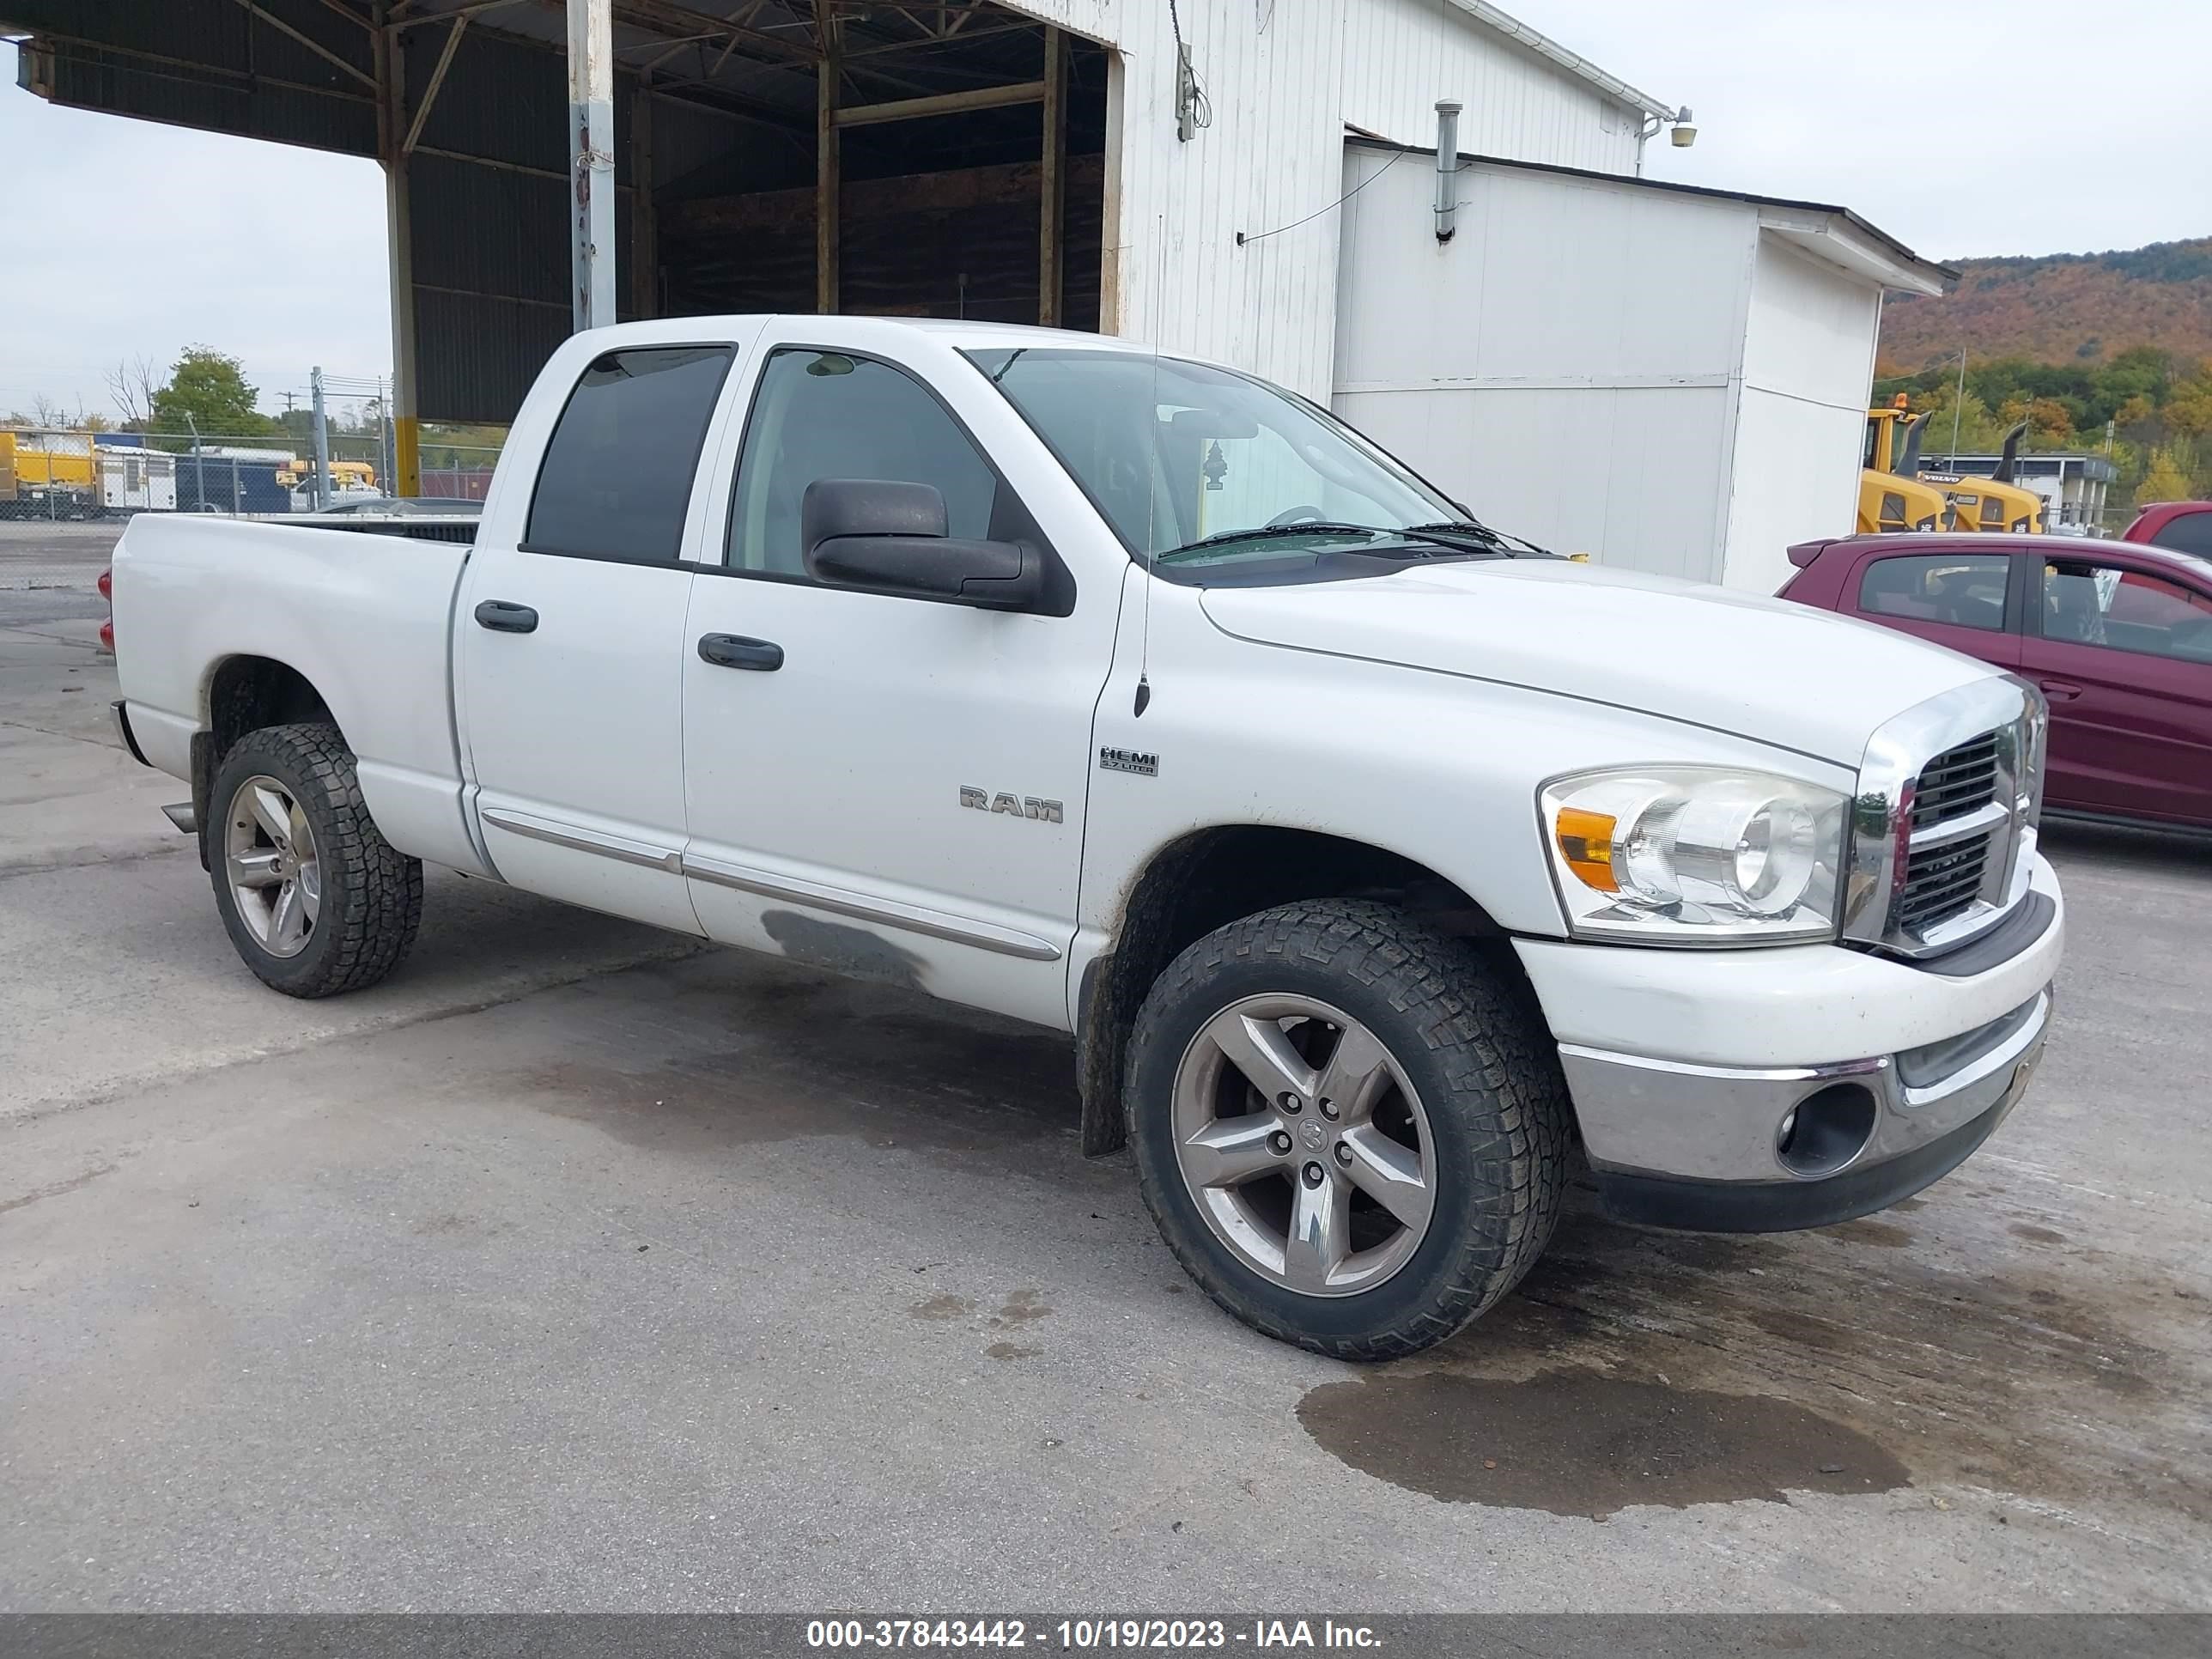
pixel 1962 127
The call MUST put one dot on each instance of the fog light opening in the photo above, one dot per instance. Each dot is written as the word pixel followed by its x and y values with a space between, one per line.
pixel 1825 1131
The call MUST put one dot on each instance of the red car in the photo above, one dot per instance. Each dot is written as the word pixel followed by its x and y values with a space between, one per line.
pixel 2118 635
pixel 2184 526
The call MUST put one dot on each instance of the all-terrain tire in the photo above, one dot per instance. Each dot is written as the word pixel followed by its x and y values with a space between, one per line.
pixel 371 893
pixel 1471 1042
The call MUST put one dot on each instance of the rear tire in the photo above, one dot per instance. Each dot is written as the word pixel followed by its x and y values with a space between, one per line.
pixel 1404 1205
pixel 315 900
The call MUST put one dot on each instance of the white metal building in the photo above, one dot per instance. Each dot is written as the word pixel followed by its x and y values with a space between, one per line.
pixel 1666 378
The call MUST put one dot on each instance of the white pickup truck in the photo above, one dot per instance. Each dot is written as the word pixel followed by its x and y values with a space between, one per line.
pixel 1377 862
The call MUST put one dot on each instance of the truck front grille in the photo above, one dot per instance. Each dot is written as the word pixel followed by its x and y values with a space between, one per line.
pixel 1943 882
pixel 1957 782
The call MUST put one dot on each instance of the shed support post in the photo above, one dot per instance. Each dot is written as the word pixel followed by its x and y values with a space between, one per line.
pixel 644 221
pixel 1052 178
pixel 825 162
pixel 592 158
pixel 406 477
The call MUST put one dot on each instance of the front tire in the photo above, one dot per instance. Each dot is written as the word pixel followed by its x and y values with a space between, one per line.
pixel 1352 1133
pixel 314 899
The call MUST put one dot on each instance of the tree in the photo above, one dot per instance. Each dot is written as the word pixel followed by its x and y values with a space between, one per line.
pixel 2167 481
pixel 131 383
pixel 207 389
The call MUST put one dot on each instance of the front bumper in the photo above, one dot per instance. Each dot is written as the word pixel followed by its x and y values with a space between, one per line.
pixel 1698 1121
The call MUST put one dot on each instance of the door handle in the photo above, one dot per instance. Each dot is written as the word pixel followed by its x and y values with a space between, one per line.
pixel 2060 690
pixel 736 651
pixel 505 618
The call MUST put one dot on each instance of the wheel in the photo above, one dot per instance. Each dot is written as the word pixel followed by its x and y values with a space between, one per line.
pixel 315 898
pixel 1350 1133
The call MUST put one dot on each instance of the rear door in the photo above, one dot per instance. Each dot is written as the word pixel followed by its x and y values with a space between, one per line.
pixel 1966 600
pixel 2123 648
pixel 570 641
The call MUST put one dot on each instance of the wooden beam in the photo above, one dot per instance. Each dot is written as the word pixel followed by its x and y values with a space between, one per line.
pixel 950 103
pixel 1006 185
pixel 437 79
pixel 825 160
pixel 644 226
pixel 1052 181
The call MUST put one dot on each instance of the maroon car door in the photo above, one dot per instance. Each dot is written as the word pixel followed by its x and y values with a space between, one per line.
pixel 1954 597
pixel 2122 648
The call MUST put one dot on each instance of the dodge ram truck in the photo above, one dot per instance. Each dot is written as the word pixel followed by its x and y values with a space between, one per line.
pixel 1381 866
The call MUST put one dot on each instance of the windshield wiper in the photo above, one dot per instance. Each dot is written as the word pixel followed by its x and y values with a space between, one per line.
pixel 1474 530
pixel 1457 544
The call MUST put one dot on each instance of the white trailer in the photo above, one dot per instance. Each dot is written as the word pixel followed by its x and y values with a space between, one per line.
pixel 136 480
pixel 1669 378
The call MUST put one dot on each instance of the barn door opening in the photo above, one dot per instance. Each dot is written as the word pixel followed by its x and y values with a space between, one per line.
pixel 951 164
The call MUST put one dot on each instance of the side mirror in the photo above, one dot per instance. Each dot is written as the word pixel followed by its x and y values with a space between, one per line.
pixel 888 537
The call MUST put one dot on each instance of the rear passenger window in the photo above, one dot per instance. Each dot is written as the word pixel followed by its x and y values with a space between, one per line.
pixel 615 482
pixel 1963 590
pixel 825 414
pixel 2186 532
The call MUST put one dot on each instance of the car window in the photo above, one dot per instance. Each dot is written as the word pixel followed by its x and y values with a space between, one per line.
pixel 2089 604
pixel 827 415
pixel 2186 532
pixel 616 479
pixel 1964 589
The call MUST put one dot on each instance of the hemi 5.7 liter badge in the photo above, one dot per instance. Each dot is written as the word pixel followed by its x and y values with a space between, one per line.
pixel 1129 760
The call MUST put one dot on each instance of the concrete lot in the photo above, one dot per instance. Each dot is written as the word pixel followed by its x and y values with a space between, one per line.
pixel 578 1267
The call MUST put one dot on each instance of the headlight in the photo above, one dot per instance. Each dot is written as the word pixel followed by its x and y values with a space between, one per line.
pixel 1694 856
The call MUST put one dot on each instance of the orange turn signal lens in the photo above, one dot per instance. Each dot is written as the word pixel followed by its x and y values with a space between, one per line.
pixel 1586 841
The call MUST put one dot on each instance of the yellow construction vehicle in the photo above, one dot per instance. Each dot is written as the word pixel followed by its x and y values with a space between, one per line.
pixel 1995 502
pixel 1891 496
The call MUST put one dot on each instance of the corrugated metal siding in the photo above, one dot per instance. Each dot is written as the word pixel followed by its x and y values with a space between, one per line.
pixel 110 56
pixel 1283 79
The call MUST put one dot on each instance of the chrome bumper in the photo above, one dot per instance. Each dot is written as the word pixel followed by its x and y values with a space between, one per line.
pixel 1769 1150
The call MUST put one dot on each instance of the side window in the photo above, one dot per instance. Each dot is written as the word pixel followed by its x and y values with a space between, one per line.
pixel 1962 589
pixel 2186 532
pixel 616 479
pixel 824 414
pixel 2089 604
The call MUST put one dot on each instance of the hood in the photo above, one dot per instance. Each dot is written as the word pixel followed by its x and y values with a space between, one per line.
pixel 1756 667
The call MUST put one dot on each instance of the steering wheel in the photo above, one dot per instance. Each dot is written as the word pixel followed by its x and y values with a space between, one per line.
pixel 1295 516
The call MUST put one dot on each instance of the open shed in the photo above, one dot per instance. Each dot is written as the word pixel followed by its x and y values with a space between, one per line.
pixel 1165 171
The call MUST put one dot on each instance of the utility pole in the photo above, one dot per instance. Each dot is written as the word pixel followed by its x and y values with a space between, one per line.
pixel 592 151
pixel 199 466
pixel 1958 407
pixel 322 442
pixel 384 436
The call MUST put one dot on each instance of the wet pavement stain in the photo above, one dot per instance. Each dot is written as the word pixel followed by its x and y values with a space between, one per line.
pixel 1022 1306
pixel 941 1307
pixel 1576 1442
pixel 1011 1350
pixel 1887 1233
pixel 2035 1235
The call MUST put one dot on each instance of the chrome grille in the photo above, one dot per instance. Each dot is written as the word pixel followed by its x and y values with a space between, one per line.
pixel 1957 782
pixel 1943 882
pixel 1944 819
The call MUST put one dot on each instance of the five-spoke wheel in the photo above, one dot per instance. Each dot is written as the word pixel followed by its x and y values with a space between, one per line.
pixel 1305 1146
pixel 268 857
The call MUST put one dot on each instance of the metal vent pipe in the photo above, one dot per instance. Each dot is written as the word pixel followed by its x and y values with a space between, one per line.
pixel 1447 169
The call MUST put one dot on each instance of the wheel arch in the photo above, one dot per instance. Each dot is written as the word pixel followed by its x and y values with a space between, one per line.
pixel 1208 877
pixel 245 692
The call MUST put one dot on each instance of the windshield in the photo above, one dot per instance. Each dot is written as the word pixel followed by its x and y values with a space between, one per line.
pixel 1184 460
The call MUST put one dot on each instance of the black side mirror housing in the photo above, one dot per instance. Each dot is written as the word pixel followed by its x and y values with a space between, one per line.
pixel 888 537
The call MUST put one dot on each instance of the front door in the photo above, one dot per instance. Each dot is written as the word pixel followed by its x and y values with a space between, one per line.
pixel 885 785
pixel 570 642
pixel 2123 651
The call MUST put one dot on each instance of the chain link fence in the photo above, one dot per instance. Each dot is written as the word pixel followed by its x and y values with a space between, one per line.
pixel 69 474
